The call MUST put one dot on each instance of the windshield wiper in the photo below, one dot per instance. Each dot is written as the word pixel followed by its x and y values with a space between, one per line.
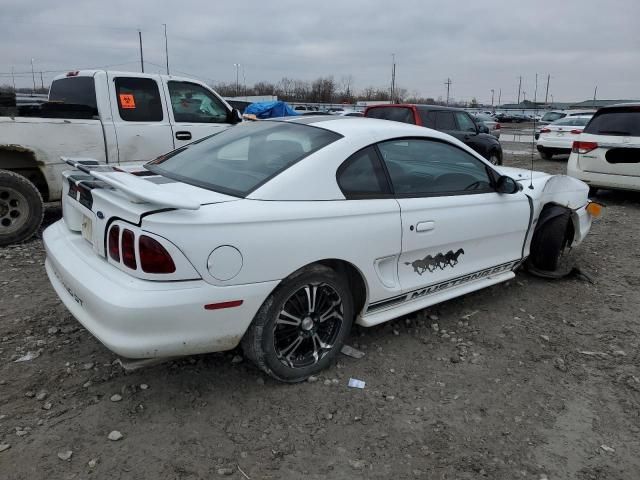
pixel 615 132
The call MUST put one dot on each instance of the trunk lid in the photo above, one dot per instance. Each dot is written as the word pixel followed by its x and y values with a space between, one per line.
pixel 94 195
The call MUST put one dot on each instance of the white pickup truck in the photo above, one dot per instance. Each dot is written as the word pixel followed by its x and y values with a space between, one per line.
pixel 114 117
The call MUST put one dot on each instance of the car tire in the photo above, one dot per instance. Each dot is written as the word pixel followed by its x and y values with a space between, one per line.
pixel 495 158
pixel 549 242
pixel 593 191
pixel 21 208
pixel 295 310
pixel 545 155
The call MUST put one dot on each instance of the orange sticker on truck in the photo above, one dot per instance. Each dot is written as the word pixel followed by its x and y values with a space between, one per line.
pixel 127 100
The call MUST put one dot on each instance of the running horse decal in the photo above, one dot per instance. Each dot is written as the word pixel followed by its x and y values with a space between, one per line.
pixel 440 260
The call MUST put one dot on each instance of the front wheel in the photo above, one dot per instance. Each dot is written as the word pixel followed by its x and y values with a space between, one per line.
pixel 549 242
pixel 545 155
pixel 301 326
pixel 21 208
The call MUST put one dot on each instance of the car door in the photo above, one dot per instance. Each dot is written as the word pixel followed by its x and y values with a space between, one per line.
pixel 454 223
pixel 469 134
pixel 195 111
pixel 139 117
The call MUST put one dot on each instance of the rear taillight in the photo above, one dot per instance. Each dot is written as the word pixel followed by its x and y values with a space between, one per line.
pixel 497 126
pixel 545 130
pixel 154 258
pixel 583 147
pixel 128 249
pixel 114 243
pixel 575 131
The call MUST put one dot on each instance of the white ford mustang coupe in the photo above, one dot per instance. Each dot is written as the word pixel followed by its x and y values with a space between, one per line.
pixel 278 235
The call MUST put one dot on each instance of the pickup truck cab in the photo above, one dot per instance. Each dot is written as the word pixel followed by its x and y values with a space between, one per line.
pixel 114 117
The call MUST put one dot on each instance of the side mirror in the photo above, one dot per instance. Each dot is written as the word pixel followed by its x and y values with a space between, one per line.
pixel 482 128
pixel 234 116
pixel 508 185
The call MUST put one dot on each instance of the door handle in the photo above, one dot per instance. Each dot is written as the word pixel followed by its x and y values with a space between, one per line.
pixel 425 226
pixel 183 135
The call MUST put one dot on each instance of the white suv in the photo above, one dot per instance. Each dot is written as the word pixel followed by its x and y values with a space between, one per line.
pixel 607 153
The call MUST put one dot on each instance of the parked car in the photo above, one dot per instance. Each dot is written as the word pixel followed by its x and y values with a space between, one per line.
pixel 115 117
pixel 255 237
pixel 554 115
pixel 492 124
pixel 454 121
pixel 557 138
pixel 509 117
pixel 607 153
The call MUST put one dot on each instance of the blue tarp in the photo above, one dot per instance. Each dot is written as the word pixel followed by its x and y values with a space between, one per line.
pixel 270 110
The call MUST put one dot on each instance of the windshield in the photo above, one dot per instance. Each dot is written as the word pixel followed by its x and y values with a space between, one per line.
pixel 241 158
pixel 623 121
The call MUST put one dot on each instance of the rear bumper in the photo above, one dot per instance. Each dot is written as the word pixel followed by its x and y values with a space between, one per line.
pixel 140 318
pixel 603 180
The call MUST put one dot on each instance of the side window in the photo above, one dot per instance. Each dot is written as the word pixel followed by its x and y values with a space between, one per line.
pixel 138 99
pixel 194 104
pixel 361 175
pixel 397 114
pixel 445 121
pixel 428 118
pixel 429 167
pixel 465 123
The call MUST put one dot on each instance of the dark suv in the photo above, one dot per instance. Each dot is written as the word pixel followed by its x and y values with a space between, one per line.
pixel 454 121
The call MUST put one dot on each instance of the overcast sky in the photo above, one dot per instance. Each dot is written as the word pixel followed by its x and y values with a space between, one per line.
pixel 481 45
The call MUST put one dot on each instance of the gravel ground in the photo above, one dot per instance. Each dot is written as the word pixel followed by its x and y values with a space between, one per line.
pixel 531 379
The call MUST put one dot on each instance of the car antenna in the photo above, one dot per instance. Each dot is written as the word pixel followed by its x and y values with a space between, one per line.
pixel 533 134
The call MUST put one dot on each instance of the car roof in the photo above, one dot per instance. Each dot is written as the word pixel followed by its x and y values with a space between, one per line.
pixel 373 128
pixel 418 106
pixel 618 105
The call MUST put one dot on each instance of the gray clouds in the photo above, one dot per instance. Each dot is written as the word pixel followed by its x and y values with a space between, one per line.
pixel 481 46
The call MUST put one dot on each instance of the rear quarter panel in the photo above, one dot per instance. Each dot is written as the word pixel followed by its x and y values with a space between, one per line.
pixel 276 238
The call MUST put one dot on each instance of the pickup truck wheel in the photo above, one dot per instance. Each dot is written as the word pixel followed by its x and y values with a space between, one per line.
pixel 302 325
pixel 21 208
pixel 549 242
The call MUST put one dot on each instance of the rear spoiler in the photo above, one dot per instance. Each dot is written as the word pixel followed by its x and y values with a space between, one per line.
pixel 136 188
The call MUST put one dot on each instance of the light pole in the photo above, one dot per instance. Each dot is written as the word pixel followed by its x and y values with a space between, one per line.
pixel 492 93
pixel 33 75
pixel 237 65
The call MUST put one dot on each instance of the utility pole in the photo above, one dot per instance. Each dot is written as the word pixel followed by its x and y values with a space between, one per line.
pixel 519 88
pixel 41 81
pixel 546 95
pixel 13 79
pixel 237 65
pixel 492 92
pixel 393 76
pixel 499 97
pixel 448 84
pixel 141 57
pixel 595 92
pixel 166 47
pixel 33 76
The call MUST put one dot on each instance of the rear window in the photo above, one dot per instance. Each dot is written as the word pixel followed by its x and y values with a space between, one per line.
pixel 397 114
pixel 552 116
pixel 74 91
pixel 623 121
pixel 238 160
pixel 572 121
